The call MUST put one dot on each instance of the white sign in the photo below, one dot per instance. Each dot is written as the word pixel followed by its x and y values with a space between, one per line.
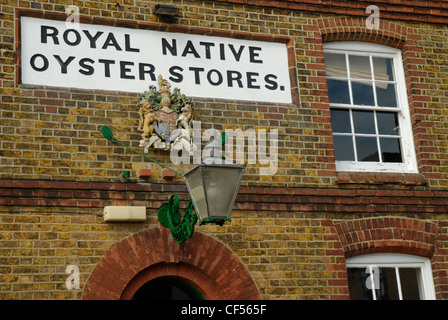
pixel 123 59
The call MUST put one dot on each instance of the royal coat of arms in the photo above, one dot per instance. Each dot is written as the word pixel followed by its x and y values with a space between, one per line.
pixel 165 118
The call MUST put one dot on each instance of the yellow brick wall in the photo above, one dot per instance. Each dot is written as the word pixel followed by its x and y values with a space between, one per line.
pixel 290 249
pixel 53 133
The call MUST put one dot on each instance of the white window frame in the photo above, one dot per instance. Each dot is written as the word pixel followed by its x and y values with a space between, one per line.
pixel 409 163
pixel 398 260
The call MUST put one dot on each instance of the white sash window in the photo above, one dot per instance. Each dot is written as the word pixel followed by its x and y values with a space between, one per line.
pixel 369 108
pixel 390 277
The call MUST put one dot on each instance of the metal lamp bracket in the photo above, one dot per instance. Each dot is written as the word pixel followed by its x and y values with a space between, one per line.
pixel 168 214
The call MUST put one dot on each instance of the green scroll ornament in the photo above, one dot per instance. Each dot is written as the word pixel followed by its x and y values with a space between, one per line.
pixel 170 217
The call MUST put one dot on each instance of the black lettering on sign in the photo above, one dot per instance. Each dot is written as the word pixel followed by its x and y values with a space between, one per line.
pixel 111 41
pixel 64 64
pixel 93 39
pixel 146 68
pixel 207 46
pixel 197 79
pixel 66 37
pixel 210 77
pixel 45 33
pixel 236 54
pixel 172 48
pixel 124 70
pixel 251 80
pixel 44 62
pixel 234 76
pixel 127 44
pixel 73 37
pixel 107 64
pixel 190 49
pixel 271 84
pixel 253 54
pixel 176 75
pixel 89 69
pixel 222 51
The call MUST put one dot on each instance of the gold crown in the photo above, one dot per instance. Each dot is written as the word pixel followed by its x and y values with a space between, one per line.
pixel 164 86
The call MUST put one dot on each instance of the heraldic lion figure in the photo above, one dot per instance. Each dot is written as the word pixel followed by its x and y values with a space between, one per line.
pixel 147 117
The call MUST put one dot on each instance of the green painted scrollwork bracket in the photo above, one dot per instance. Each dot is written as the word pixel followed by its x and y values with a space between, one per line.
pixel 170 217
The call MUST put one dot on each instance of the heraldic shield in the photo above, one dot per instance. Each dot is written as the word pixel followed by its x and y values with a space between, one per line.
pixel 166 127
pixel 165 118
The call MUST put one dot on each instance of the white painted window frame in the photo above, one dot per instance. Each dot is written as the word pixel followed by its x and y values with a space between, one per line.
pixel 398 260
pixel 409 164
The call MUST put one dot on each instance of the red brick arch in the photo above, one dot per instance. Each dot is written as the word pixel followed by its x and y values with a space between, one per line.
pixel 201 260
pixel 355 29
pixel 387 234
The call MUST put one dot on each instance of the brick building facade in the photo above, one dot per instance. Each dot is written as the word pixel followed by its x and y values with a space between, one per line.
pixel 292 233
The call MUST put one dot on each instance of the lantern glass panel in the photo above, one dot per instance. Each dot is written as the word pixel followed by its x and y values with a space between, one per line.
pixel 197 194
pixel 221 186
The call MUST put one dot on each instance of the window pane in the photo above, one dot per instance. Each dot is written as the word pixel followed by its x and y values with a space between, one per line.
pixel 356 284
pixel 367 149
pixel 364 122
pixel 338 91
pixel 388 123
pixel 385 93
pixel 409 283
pixel 388 285
pixel 343 148
pixel 360 67
pixel 390 150
pixel 386 288
pixel 383 69
pixel 363 93
pixel 335 65
pixel 340 121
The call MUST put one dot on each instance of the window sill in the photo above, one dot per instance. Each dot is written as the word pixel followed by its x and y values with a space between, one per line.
pixel 381 178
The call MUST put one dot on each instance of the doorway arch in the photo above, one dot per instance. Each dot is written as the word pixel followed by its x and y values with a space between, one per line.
pixel 205 263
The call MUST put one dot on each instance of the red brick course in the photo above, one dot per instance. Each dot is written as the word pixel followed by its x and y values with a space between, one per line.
pixel 417 10
pixel 35 193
